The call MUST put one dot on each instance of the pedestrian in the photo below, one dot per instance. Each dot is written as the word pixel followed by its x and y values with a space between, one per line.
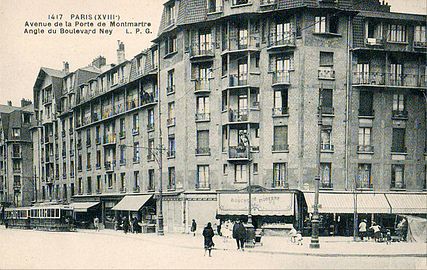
pixel 299 238
pixel 116 224
pixel 193 227
pixel 218 229
pixel 388 237
pixel 125 225
pixel 377 231
pixel 96 223
pixel 362 229
pixel 208 234
pixel 293 234
pixel 135 225
pixel 402 230
pixel 239 233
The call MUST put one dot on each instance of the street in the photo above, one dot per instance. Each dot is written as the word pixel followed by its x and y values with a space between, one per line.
pixel 113 250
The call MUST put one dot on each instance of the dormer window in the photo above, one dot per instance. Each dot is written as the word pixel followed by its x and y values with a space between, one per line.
pixel 114 78
pixel 326 24
pixel 214 6
pixel 170 14
pixel 397 33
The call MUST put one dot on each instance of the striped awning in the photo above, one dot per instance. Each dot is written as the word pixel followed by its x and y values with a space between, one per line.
pixel 407 203
pixel 132 203
pixel 82 207
pixel 344 202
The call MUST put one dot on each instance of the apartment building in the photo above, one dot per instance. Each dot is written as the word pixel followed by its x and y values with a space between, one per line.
pixel 16 170
pixel 233 93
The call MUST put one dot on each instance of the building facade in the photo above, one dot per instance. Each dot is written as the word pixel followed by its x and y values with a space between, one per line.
pixel 233 93
pixel 16 163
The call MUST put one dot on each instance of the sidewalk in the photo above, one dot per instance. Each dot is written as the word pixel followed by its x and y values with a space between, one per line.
pixel 329 246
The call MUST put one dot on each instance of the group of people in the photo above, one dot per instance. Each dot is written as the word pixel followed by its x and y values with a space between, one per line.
pixel 379 234
pixel 127 225
pixel 239 233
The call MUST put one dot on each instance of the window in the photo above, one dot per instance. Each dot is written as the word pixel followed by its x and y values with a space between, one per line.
pixel 98 159
pixel 98 134
pixel 364 178
pixel 240 2
pixel 320 24
pixel 326 101
pixel 242 73
pixel 171 114
pixel 214 6
pixel 325 175
pixel 398 103
pixel 280 175
pixel 71 190
pixel 136 181
pixel 88 163
pixel 398 176
pixel 135 123
pixel 150 149
pixel 281 72
pixel 203 176
pixel 326 59
pixel 224 138
pixel 122 128
pixel 396 74
pixel 280 102
pixel 16 132
pixel 79 186
pixel 89 185
pixel 366 100
pixel 154 58
pixel 98 183
pixel 396 33
pixel 122 154
pixel 122 181
pixel 109 180
pixel 205 42
pixel 171 178
pixel 325 137
pixel 136 156
pixel 170 45
pixel 255 168
pixel 224 101
pixel 280 141
pixel 420 35
pixel 398 140
pixel 326 24
pixel 150 119
pixel 224 65
pixel 365 138
pixel 224 169
pixel 240 173
pixel 171 82
pixel 283 33
pixel 202 104
pixel 150 180
pixel 243 38
pixel 203 142
pixel 171 146
pixel 373 30
pixel 26 118
pixel 170 13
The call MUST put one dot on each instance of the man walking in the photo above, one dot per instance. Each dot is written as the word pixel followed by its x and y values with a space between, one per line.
pixel 193 227
pixel 96 223
pixel 362 229
pixel 239 233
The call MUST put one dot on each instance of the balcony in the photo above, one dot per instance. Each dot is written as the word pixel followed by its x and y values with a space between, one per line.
pixel 420 44
pixel 326 147
pixel 244 43
pixel 281 41
pixel 326 73
pixel 280 184
pixel 326 185
pixel 241 115
pixel 364 185
pixel 136 189
pixel 238 153
pixel 122 190
pixel 399 150
pixel 71 152
pixel 203 117
pixel 365 149
pixel 204 50
pixel 79 168
pixel 203 151
pixel 389 79
pixel 147 98
pixel 170 89
pixel 17 170
pixel 171 186
pixel 366 113
pixel 374 41
pixel 281 77
pixel 171 121
pixel 122 162
pixel 264 3
pixel 280 148
pixel 71 131
pixel 47 99
pixel 88 142
pixel 96 116
pixel 399 115
pixel 109 165
pixel 109 139
pixel 122 134
pixel 132 104
pixel 237 80
pixel 202 86
pixel 64 153
pixel 88 167
pixel 136 159
pixel 281 111
pixel 63 133
pixel 135 131
pixel 79 143
pixel 16 186
pixel 327 110
pixel 98 166
pixel 171 153
pixel 98 140
pixel 398 186
pixel 202 186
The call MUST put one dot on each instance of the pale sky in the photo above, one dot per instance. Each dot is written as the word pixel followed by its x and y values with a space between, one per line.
pixel 22 55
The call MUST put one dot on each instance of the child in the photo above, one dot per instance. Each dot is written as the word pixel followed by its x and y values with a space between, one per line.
pixel 388 237
pixel 299 238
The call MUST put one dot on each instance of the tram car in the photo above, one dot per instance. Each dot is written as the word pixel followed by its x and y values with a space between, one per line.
pixel 47 218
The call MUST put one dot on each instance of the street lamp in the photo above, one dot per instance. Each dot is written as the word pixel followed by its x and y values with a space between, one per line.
pixel 250 227
pixel 315 217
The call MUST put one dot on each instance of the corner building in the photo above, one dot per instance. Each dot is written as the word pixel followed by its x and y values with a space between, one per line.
pixel 234 89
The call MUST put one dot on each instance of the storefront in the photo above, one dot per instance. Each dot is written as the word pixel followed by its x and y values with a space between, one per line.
pixel 141 207
pixel 273 211
pixel 85 212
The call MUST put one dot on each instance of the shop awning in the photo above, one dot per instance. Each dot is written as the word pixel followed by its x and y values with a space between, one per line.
pixel 132 203
pixel 344 203
pixel 263 204
pixel 82 207
pixel 406 203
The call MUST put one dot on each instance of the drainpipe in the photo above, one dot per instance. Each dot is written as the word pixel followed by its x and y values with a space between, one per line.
pixel 348 100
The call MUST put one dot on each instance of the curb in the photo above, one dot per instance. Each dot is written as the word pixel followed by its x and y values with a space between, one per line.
pixel 315 254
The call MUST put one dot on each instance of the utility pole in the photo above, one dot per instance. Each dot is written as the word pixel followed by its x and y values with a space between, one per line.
pixel 160 230
pixel 315 218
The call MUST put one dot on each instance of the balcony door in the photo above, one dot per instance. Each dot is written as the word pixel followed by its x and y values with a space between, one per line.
pixel 283 33
pixel 243 72
pixel 205 41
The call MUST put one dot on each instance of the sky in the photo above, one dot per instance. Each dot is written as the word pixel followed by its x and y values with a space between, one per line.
pixel 22 54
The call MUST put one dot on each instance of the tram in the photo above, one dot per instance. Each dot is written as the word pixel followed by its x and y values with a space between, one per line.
pixel 48 218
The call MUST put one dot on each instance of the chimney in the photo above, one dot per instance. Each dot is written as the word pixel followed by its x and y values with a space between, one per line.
pixel 9 103
pixel 66 67
pixel 120 52
pixel 99 62
pixel 25 102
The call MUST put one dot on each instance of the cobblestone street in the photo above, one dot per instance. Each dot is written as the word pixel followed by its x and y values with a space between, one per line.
pixel 110 249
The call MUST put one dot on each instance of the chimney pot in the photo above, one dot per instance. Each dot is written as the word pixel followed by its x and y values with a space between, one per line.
pixel 9 103
pixel 66 67
pixel 120 52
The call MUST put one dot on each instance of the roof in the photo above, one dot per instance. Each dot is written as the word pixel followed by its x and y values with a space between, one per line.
pixel 54 72
pixel 393 16
pixel 9 109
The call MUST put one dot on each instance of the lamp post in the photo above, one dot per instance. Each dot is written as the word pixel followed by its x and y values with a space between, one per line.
pixel 315 217
pixel 250 227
